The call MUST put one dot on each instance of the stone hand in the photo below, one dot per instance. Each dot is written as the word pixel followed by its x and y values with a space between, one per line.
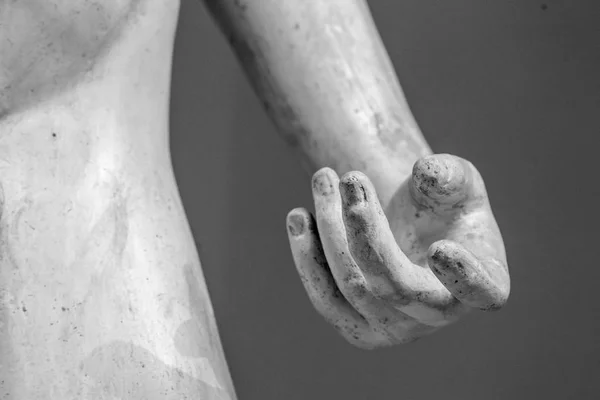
pixel 389 276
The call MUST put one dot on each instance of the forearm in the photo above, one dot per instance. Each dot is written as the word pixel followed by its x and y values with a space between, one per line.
pixel 325 79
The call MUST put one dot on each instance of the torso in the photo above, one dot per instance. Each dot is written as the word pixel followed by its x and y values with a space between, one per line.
pixel 101 291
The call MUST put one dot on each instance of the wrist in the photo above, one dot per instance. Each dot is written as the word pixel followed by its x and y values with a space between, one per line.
pixel 385 153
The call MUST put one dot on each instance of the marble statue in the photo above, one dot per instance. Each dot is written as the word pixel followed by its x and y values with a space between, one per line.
pixel 102 295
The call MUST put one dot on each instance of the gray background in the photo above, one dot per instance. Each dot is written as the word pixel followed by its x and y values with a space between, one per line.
pixel 514 86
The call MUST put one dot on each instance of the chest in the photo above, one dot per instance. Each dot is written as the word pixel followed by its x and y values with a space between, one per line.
pixel 46 43
pixel 36 28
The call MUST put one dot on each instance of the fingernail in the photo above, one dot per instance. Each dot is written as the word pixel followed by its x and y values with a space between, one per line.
pixel 296 224
pixel 353 192
pixel 322 184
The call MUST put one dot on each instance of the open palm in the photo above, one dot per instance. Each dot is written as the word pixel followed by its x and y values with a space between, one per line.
pixel 384 277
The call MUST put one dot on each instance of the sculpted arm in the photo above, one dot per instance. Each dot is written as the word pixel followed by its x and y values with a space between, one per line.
pixel 404 242
pixel 325 79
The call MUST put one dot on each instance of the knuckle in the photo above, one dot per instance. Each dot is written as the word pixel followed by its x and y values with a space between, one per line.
pixel 358 219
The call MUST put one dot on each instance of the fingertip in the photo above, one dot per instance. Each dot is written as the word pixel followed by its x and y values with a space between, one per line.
pixel 298 221
pixel 451 262
pixel 356 188
pixel 496 305
pixel 357 202
pixel 325 181
pixel 442 178
pixel 464 275
pixel 352 189
pixel 501 294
